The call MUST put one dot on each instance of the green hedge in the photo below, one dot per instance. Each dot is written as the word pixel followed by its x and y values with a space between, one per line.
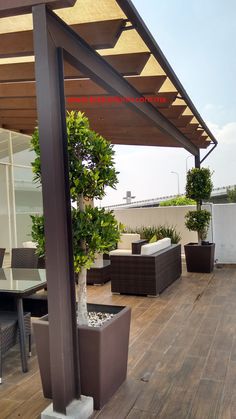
pixel 175 202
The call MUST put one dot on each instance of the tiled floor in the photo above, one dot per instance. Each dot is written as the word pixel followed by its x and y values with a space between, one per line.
pixel 182 357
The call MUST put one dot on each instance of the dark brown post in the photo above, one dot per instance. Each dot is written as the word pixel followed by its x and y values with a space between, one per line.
pixel 197 161
pixel 56 204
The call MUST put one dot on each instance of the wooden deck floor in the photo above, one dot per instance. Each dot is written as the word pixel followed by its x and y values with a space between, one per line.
pixel 182 357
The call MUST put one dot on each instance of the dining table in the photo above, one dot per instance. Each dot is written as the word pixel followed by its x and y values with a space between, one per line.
pixel 20 283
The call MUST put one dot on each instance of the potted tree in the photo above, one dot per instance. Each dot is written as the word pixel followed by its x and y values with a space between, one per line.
pixel 103 348
pixel 199 256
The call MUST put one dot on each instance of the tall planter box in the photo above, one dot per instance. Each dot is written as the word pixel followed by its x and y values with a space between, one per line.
pixel 103 353
pixel 200 258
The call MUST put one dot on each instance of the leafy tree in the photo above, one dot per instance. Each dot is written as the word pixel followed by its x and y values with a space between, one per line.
pixel 231 195
pixel 91 169
pixel 199 186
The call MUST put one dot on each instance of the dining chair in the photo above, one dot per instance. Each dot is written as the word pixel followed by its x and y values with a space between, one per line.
pixel 2 253
pixel 9 333
pixel 24 258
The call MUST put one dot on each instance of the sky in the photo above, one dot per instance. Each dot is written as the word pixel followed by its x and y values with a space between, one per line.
pixel 198 38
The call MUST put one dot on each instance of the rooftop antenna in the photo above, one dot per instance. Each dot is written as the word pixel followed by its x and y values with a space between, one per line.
pixel 128 197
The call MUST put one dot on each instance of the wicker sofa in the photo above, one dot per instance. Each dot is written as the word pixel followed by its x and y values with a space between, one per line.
pixel 146 274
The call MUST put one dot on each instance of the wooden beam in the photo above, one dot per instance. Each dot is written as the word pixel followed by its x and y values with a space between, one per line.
pixel 63 333
pixel 86 87
pixel 98 34
pixel 21 7
pixel 126 64
pixel 19 113
pixel 172 111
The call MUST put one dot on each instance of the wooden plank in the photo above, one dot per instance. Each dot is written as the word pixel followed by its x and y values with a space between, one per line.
pixel 189 128
pixel 18 113
pixel 86 88
pixel 223 340
pixel 216 365
pixel 228 401
pixel 17 72
pixel 207 400
pixel 174 389
pixel 182 121
pixel 102 34
pixel 7 406
pixel 173 111
pixel 14 8
pixel 201 345
pixel 126 64
pixel 18 103
pixel 209 325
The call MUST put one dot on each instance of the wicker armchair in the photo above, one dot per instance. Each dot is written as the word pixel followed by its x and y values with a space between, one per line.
pixel 9 333
pixel 24 258
pixel 2 253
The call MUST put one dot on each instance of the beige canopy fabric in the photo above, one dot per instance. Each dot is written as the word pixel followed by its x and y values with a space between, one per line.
pixel 107 29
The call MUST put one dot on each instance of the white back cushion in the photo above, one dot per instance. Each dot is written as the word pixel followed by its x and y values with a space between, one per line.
pixel 127 239
pixel 150 248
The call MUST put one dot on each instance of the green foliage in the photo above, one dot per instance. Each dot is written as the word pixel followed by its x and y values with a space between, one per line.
pixel 153 239
pixel 231 195
pixel 96 227
pixel 160 232
pixel 91 158
pixel 38 233
pixel 198 221
pixel 91 169
pixel 180 200
pixel 169 231
pixel 199 185
pixel 145 232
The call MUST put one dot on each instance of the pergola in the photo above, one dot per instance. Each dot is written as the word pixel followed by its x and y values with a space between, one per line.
pixel 90 49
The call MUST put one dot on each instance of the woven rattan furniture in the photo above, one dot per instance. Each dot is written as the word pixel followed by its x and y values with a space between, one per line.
pixel 146 274
pixel 9 333
pixel 16 284
pixel 2 253
pixel 136 246
pixel 99 275
pixel 24 258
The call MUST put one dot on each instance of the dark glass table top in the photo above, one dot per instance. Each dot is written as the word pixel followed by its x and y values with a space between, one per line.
pixel 19 280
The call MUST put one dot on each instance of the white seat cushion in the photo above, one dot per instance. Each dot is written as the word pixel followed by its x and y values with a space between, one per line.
pixel 120 252
pixel 150 248
pixel 29 244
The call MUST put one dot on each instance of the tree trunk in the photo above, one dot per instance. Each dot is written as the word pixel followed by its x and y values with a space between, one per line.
pixel 82 313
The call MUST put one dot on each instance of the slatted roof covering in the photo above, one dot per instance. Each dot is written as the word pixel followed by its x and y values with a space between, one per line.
pixel 106 28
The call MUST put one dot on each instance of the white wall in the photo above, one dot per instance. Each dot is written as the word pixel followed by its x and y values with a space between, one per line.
pixel 137 217
pixel 222 229
pixel 224 232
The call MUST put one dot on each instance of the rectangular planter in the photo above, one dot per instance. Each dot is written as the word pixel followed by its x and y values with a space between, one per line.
pixel 200 258
pixel 103 354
